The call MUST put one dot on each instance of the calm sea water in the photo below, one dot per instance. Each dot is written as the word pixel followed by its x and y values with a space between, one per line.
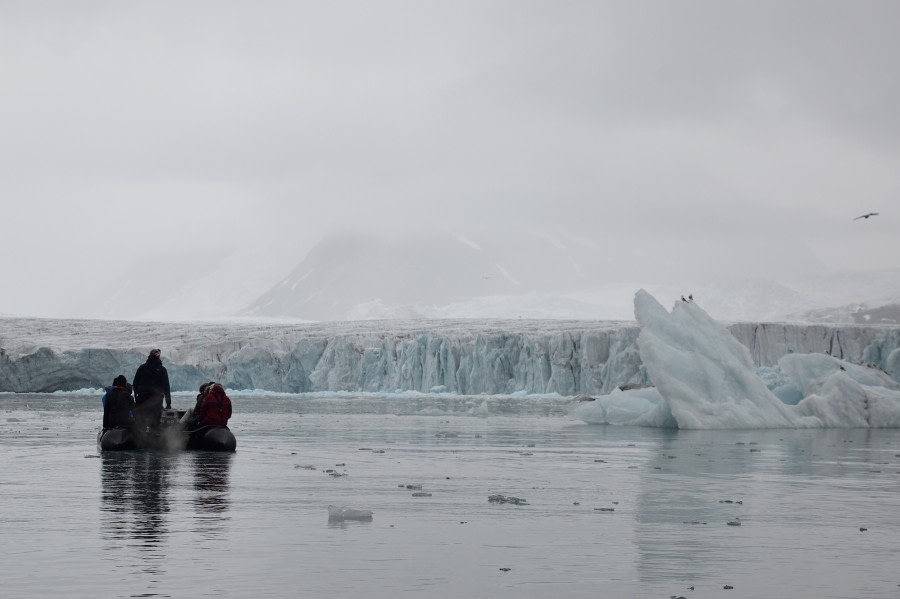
pixel 610 512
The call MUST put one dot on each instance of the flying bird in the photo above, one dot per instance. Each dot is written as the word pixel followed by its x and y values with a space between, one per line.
pixel 866 216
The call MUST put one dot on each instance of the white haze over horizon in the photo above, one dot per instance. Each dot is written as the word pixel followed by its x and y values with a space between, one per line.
pixel 219 142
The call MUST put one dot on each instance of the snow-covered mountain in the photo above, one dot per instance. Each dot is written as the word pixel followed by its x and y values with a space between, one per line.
pixel 356 276
pixel 524 275
pixel 530 275
pixel 201 285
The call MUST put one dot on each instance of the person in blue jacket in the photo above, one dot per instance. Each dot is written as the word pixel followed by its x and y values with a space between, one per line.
pixel 151 387
pixel 118 405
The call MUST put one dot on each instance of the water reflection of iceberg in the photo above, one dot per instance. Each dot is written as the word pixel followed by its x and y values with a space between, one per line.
pixel 705 379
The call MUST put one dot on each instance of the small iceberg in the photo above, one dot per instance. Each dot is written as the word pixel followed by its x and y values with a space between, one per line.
pixel 336 513
pixel 498 498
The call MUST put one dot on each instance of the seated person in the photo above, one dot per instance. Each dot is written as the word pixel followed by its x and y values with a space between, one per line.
pixel 213 408
pixel 191 417
pixel 118 405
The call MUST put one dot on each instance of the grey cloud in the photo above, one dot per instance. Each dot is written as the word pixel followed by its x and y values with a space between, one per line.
pixel 284 120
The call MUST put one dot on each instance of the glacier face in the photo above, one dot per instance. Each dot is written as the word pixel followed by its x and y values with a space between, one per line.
pixel 465 357
pixel 569 358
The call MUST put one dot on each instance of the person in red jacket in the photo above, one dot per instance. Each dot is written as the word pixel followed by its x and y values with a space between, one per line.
pixel 215 409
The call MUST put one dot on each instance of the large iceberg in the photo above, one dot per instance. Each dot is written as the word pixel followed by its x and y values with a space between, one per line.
pixel 704 378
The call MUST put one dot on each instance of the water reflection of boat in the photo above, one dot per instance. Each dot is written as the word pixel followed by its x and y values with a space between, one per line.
pixel 212 493
pixel 170 436
pixel 135 500
pixel 136 490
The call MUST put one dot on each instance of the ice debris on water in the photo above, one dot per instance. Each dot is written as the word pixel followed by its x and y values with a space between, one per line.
pixel 735 522
pixel 421 494
pixel 305 466
pixel 348 513
pixel 498 498
pixel 604 509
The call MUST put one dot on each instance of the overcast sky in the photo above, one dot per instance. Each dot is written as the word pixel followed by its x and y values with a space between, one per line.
pixel 137 131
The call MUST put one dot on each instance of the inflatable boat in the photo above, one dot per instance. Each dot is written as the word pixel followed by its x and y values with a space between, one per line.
pixel 170 436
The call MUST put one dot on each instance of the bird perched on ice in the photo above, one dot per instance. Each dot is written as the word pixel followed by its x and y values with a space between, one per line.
pixel 866 216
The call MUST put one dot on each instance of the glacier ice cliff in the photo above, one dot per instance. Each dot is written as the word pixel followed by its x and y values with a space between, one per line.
pixel 569 358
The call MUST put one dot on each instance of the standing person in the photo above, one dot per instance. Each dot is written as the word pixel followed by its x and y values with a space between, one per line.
pixel 118 405
pixel 151 386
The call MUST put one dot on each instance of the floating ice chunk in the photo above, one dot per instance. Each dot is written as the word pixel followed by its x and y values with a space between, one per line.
pixel 498 498
pixel 639 407
pixel 348 513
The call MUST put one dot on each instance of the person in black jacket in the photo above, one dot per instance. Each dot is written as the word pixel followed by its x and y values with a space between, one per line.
pixel 151 386
pixel 118 405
